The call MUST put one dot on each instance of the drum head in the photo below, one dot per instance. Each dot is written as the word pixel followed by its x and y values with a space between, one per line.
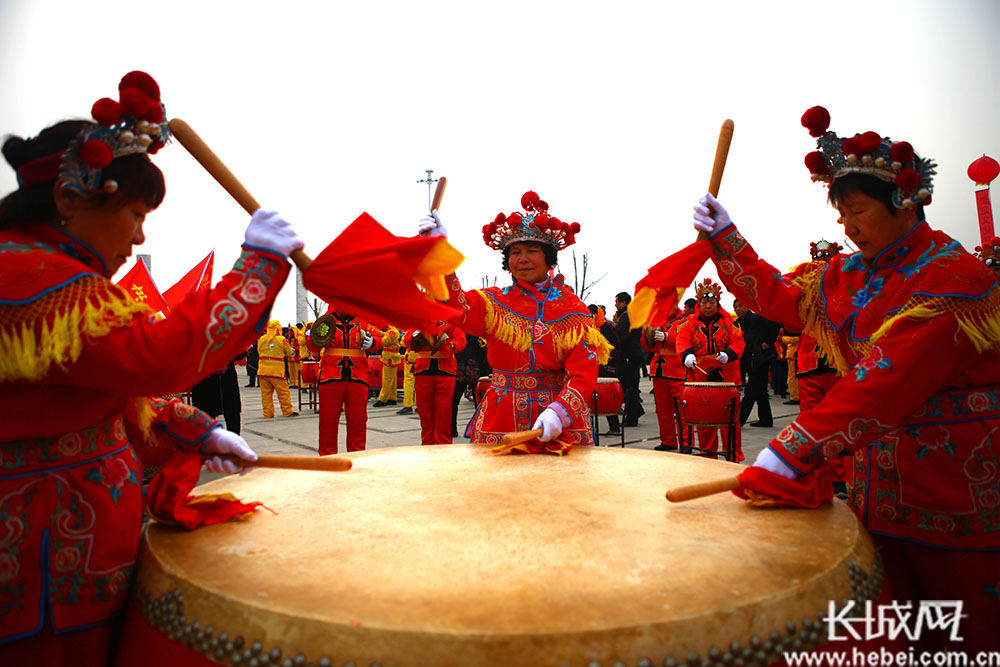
pixel 322 330
pixel 447 555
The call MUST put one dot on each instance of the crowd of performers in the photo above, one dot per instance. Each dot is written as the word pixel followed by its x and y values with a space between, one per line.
pixel 904 333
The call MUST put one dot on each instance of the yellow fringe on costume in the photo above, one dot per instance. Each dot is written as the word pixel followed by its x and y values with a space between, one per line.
pixel 51 330
pixel 515 330
pixel 813 316
pixel 979 319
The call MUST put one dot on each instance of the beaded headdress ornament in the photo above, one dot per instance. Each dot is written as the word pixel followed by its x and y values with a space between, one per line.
pixel 824 250
pixel 135 123
pixel 868 153
pixel 534 225
pixel 707 288
pixel 989 253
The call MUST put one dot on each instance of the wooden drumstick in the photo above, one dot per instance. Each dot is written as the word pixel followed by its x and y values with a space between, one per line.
pixel 439 193
pixel 692 491
pixel 323 463
pixel 518 437
pixel 200 151
pixel 721 154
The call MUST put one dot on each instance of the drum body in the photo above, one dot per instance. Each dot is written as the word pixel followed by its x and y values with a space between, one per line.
pixel 609 396
pixel 310 372
pixel 374 372
pixel 447 555
pixel 481 386
pixel 708 403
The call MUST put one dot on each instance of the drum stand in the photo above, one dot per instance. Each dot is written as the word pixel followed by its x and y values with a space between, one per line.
pixel 595 415
pixel 312 396
pixel 733 408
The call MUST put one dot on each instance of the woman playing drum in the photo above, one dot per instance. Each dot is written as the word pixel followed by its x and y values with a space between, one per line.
pixel 913 322
pixel 541 340
pixel 79 359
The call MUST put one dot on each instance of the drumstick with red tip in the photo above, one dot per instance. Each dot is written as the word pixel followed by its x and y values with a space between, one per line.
pixel 702 489
pixel 322 463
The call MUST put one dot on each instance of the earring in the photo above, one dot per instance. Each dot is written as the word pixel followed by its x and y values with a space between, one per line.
pixel 62 223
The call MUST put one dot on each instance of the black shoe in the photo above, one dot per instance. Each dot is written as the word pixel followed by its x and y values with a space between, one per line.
pixel 405 411
pixel 762 425
pixel 616 431
pixel 249 385
pixel 665 448
pixel 294 414
pixel 390 402
pixel 790 402
pixel 379 404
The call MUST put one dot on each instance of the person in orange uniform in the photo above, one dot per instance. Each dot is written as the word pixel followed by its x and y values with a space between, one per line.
pixel 82 365
pixel 434 378
pixel 710 344
pixel 344 381
pixel 541 340
pixel 391 359
pixel 273 350
pixel 668 374
pixel 911 321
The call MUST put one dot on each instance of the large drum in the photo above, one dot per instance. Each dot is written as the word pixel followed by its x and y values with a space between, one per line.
pixel 708 403
pixel 608 396
pixel 447 555
pixel 481 386
pixel 310 372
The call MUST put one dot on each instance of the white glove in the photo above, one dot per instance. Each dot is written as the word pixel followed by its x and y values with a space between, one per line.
pixel 770 461
pixel 659 336
pixel 710 216
pixel 221 441
pixel 269 230
pixel 550 423
pixel 722 357
pixel 689 361
pixel 431 225
pixel 366 340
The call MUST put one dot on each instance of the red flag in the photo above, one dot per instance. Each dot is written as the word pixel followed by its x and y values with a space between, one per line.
pixel 657 295
pixel 139 284
pixel 195 280
pixel 169 499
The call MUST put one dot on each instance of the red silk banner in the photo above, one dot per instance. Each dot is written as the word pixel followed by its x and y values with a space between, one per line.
pixel 985 210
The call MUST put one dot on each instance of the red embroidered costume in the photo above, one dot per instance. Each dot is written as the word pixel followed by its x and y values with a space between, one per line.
pixel 915 333
pixel 70 480
pixel 343 379
pixel 668 374
pixel 541 341
pixel 434 379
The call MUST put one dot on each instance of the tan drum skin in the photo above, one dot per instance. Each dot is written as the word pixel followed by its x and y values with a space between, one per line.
pixel 447 555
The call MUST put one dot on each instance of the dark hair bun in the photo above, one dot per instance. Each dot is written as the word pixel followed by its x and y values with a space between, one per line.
pixel 15 151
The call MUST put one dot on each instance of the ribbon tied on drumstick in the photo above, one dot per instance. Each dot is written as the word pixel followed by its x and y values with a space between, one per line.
pixel 762 488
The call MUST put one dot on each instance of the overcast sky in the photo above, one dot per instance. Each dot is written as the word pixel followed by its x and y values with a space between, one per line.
pixel 610 111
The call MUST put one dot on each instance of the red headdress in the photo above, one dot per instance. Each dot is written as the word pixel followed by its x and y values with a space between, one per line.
pixel 534 225
pixel 989 252
pixel 868 153
pixel 708 288
pixel 824 250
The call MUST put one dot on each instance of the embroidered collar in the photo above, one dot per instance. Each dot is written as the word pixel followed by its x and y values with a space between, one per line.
pixel 69 245
pixel 918 237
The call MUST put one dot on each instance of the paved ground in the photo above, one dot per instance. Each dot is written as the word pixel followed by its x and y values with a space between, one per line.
pixel 297 435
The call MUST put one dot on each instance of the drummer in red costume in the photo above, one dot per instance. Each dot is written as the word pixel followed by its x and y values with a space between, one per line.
pixel 710 344
pixel 989 253
pixel 912 323
pixel 434 379
pixel 80 361
pixel 668 373
pixel 343 379
pixel 541 340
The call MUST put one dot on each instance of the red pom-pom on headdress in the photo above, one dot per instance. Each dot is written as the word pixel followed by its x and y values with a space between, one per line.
pixel 868 142
pixel 154 114
pixel 95 154
pixel 528 200
pixel 143 82
pixel 901 151
pixel 908 180
pixel 817 163
pixel 106 111
pixel 816 120
pixel 135 102
pixel 850 146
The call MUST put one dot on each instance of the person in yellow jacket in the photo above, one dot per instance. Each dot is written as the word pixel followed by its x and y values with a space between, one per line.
pixel 391 358
pixel 300 353
pixel 273 350
pixel 791 344
pixel 409 383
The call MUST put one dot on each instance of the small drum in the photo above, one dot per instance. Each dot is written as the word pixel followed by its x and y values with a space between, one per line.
pixel 608 396
pixel 350 570
pixel 310 372
pixel 708 403
pixel 481 386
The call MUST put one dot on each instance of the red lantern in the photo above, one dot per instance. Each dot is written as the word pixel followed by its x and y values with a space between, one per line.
pixel 984 170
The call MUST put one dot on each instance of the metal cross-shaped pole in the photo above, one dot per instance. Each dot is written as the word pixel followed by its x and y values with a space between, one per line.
pixel 430 181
